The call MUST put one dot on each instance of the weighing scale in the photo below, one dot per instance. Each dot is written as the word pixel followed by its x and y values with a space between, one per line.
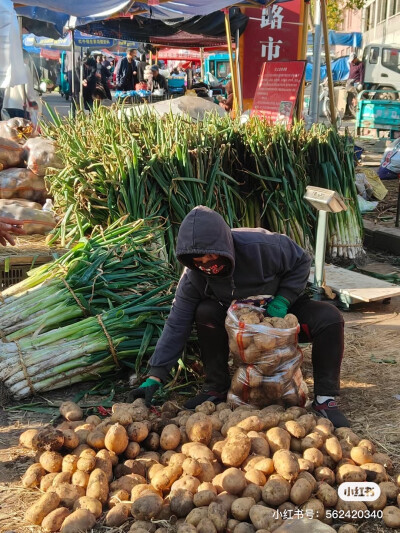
pixel 350 287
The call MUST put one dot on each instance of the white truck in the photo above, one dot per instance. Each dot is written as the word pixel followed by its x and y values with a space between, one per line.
pixel 382 70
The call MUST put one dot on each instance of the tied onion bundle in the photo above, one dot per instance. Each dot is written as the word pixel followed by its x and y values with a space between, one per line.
pixel 253 174
pixel 103 303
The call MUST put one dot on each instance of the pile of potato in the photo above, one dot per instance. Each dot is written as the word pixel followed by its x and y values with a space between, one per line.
pixel 268 358
pixel 212 471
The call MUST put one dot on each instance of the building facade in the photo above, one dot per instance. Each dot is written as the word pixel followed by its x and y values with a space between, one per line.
pixel 352 22
pixel 381 22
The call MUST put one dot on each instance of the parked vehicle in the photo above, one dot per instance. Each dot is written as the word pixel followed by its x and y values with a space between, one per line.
pixel 382 70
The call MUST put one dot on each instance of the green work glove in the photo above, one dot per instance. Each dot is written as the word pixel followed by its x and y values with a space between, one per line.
pixel 278 307
pixel 146 390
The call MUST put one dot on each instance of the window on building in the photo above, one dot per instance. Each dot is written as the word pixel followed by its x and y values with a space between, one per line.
pixel 397 6
pixel 383 11
pixel 372 20
pixel 391 59
pixel 373 55
pixel 393 7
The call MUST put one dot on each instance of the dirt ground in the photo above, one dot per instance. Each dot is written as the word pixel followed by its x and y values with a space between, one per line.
pixel 369 389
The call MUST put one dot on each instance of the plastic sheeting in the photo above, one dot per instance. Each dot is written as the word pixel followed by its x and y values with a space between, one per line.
pixel 340 70
pixel 80 8
pixel 12 70
pixel 343 39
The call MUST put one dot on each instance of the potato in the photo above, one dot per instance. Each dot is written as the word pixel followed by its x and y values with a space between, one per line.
pixel 391 516
pixel 266 466
pixel 378 504
pixel 252 491
pixel 86 463
pixel 51 461
pixel 122 416
pixel 68 494
pixel 170 437
pixel 347 528
pixel 286 464
pixel 93 419
pixel 324 429
pixel 196 515
pixel 241 508
pixel 177 459
pixel 80 479
pixel 141 490
pixel 71 411
pixel 256 477
pixel 314 507
pixel 69 463
pixel 165 478
pixel 47 481
pixel 98 485
pixel 333 448
pixel 132 450
pixel 117 497
pixel 309 478
pixel 351 511
pixel 278 439
pixel 152 441
pixel 54 520
pixel 276 491
pixel 127 482
pixel 199 428
pixel 83 448
pixel 181 502
pixel 314 455
pixel 312 440
pixel 236 450
pixel 204 498
pixel 187 482
pixel 62 477
pixel 48 439
pixel 375 472
pixel 264 518
pixel 384 459
pixel 206 526
pixel 103 462
pixel 347 472
pixel 327 494
pixel 259 444
pixel 301 491
pixel 226 500
pixel 198 451
pixel 41 508
pixel 146 507
pixel 347 435
pixel 218 516
pixel 116 439
pixel 71 439
pixel 361 455
pixel 152 471
pixel 191 467
pixel 80 520
pixel 294 429
pixel 96 439
pixel 33 476
pixel 323 473
pixel 26 438
pixel 233 480
pixel 118 515
pixel 387 487
pixel 329 462
pixel 246 527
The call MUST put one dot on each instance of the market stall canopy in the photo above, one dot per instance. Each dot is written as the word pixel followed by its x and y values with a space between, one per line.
pixel 42 21
pixel 31 41
pixel 185 39
pixel 149 30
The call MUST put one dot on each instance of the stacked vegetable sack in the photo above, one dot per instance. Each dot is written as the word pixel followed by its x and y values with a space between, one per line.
pixel 214 470
pixel 24 159
pixel 253 174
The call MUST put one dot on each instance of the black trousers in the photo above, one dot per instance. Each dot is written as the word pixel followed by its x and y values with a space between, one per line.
pixel 321 323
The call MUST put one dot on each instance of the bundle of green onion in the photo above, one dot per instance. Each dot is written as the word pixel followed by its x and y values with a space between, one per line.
pixel 102 303
pixel 253 174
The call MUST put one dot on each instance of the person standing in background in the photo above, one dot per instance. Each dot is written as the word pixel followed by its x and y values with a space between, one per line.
pixel 127 72
pixel 141 65
pixel 102 75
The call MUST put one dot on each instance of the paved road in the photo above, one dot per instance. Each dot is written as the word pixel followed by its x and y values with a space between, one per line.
pixel 57 102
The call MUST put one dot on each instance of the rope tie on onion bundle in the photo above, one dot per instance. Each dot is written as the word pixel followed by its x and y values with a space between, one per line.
pixel 81 307
pixel 109 340
pixel 24 369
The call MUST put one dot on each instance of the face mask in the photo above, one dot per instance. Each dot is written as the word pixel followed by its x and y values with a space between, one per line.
pixel 213 267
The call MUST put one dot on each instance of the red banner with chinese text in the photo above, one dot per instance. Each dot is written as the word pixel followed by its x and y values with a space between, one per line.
pixel 277 90
pixel 272 34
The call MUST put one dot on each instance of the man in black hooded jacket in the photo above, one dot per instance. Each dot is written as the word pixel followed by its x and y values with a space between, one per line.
pixel 224 264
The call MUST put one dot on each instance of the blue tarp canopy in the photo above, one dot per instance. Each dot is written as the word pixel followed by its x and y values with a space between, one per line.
pixel 104 8
pixel 340 70
pixel 344 39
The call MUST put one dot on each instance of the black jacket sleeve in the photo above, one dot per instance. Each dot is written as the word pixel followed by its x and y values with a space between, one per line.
pixel 177 328
pixel 294 269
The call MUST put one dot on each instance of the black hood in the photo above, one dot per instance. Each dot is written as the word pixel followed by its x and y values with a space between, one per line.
pixel 203 231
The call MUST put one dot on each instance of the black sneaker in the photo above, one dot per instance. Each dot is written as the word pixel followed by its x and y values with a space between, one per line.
pixel 331 411
pixel 206 396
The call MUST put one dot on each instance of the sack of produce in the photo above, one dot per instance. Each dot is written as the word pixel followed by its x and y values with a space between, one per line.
pixel 21 202
pixel 11 154
pixel 22 183
pixel 42 155
pixel 268 358
pixel 35 221
pixel 16 129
